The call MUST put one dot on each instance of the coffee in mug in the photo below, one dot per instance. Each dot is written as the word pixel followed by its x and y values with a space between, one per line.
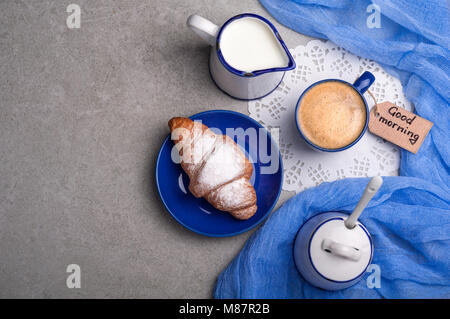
pixel 332 114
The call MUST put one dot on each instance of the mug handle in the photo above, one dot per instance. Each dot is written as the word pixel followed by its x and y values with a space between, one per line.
pixel 204 28
pixel 364 82
pixel 341 250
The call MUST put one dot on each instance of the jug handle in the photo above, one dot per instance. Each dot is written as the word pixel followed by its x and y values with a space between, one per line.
pixel 204 28
pixel 341 250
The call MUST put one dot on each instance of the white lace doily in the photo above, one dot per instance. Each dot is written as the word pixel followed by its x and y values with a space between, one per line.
pixel 304 167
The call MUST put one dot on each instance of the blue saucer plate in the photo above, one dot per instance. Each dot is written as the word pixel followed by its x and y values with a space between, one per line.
pixel 197 214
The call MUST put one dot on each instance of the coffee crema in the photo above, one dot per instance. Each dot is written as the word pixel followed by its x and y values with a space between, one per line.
pixel 332 115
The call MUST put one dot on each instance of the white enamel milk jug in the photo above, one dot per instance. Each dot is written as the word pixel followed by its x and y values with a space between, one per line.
pixel 248 58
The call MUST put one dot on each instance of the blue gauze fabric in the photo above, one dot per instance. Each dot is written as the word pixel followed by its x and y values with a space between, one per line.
pixel 409 218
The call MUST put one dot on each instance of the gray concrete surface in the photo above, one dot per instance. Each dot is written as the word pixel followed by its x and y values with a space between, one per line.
pixel 82 116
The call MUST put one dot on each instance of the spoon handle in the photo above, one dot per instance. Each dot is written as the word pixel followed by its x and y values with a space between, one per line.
pixel 371 189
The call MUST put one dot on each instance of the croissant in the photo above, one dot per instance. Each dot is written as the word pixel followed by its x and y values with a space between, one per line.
pixel 218 170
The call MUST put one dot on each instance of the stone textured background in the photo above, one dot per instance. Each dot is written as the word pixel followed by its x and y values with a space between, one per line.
pixel 82 116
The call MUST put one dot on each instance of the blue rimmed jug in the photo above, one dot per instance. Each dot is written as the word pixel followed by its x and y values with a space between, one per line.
pixel 240 83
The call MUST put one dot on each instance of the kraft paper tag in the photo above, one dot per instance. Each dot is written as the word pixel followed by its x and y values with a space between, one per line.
pixel 398 126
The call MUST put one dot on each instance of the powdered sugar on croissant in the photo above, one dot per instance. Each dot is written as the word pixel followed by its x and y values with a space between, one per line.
pixel 216 166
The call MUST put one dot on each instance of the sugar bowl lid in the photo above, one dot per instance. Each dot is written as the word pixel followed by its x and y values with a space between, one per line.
pixel 338 253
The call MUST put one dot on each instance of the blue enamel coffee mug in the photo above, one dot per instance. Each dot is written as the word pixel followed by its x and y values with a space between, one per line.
pixel 360 86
